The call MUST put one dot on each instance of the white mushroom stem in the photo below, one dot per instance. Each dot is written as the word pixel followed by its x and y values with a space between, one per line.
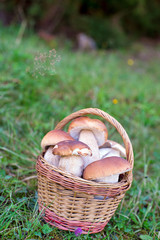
pixel 51 158
pixel 108 152
pixel 115 146
pixel 87 137
pixel 104 152
pixel 72 164
pixel 121 149
pixel 109 179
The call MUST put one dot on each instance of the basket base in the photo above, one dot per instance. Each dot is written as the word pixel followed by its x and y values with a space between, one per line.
pixel 68 225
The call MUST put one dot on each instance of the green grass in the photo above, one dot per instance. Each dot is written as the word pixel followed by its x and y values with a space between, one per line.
pixel 32 103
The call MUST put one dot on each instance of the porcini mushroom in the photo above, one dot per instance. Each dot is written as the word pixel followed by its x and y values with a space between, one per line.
pixel 108 152
pixel 50 158
pixel 112 148
pixel 53 137
pixel 71 153
pixel 92 132
pixel 107 170
pixel 49 141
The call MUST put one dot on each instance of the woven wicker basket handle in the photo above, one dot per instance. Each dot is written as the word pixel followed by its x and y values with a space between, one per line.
pixel 110 119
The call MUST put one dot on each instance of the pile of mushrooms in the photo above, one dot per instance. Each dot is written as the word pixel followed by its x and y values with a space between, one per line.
pixel 85 151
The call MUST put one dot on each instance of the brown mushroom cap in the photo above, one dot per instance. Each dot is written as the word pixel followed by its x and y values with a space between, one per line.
pixel 53 137
pixel 106 167
pixel 68 148
pixel 85 123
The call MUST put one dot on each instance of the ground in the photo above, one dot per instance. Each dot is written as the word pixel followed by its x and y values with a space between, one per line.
pixel 39 87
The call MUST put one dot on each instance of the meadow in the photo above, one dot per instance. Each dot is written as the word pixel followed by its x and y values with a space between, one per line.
pixel 38 88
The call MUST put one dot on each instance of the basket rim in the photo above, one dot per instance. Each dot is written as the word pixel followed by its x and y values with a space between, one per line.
pixel 80 185
pixel 79 179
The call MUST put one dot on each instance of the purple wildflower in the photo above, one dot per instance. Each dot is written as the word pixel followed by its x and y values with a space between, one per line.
pixel 78 231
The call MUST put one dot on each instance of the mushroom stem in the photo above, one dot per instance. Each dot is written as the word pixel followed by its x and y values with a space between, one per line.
pixel 72 164
pixel 87 137
pixel 109 179
pixel 121 149
pixel 108 152
pixel 116 146
pixel 50 157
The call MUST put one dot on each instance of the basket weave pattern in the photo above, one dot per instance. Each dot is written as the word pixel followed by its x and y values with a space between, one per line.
pixel 68 202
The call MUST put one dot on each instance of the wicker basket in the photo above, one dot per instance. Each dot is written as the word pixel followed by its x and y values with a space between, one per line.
pixel 69 202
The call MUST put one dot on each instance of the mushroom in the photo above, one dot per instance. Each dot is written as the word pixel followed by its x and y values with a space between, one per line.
pixel 49 141
pixel 111 148
pixel 92 132
pixel 108 152
pixel 50 158
pixel 53 137
pixel 71 153
pixel 107 170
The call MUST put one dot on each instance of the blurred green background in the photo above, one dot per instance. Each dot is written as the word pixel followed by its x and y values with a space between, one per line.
pixel 110 23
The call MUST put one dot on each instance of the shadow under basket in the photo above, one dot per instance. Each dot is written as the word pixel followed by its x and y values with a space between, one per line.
pixel 69 202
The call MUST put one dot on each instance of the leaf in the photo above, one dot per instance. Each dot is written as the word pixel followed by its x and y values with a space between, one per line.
pixel 38 234
pixel 2 172
pixel 25 229
pixel 22 199
pixel 8 177
pixel 2 198
pixel 29 224
pixel 46 229
pixel 145 237
pixel 134 219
